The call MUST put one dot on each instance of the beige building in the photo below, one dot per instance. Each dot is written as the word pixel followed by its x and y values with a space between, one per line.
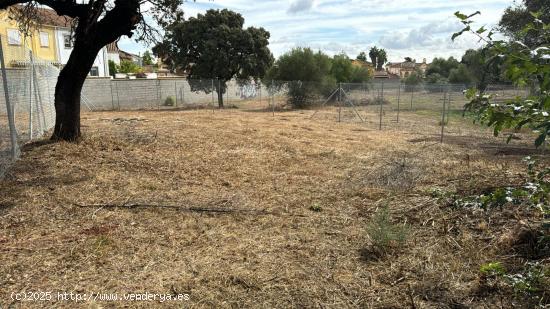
pixel 406 68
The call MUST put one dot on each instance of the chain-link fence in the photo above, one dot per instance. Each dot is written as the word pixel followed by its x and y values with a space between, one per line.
pixel 379 104
pixel 26 101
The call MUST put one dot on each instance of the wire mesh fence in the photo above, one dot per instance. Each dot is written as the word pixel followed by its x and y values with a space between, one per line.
pixel 26 102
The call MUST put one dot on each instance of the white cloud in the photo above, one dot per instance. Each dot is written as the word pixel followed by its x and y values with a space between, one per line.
pixel 298 6
pixel 415 28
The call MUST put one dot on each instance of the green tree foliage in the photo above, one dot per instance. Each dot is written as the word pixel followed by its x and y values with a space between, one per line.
pixel 461 75
pixel 442 67
pixel 381 59
pixel 362 56
pixel 373 55
pixel 342 69
pixel 113 68
pixel 523 65
pixel 307 74
pixel 147 59
pixel 436 78
pixel 515 18
pixel 414 79
pixel 215 46
pixel 483 73
pixel 360 75
pixel 378 57
pixel 311 74
pixel 127 66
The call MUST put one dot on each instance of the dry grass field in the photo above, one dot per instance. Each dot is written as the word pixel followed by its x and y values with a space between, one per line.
pixel 244 209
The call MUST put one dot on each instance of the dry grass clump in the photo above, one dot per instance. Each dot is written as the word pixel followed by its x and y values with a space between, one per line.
pixel 241 208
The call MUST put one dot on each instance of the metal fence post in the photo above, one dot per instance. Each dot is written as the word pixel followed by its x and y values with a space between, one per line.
pixel 176 91
pixel 449 105
pixel 381 99
pixel 339 102
pixel 398 99
pixel 443 117
pixel 260 93
pixel 159 94
pixel 412 95
pixel 39 104
pixel 11 118
pixel 183 92
pixel 212 95
pixel 31 79
pixel 273 97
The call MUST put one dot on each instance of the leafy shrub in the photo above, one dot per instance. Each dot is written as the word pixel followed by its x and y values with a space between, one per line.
pixel 169 101
pixel 534 193
pixel 492 269
pixel 113 68
pixel 412 81
pixel 127 66
pixel 385 234
pixel 531 280
pixel 315 207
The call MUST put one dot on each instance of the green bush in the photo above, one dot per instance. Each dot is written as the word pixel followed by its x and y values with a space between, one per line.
pixel 412 81
pixel 383 233
pixel 311 75
pixel 169 101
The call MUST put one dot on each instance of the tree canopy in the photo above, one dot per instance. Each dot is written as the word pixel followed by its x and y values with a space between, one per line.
pixel 214 45
pixel 310 74
pixel 147 58
pixel 378 57
pixel 516 17
pixel 362 56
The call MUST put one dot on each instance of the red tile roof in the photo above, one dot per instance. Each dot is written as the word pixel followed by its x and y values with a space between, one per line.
pixel 44 16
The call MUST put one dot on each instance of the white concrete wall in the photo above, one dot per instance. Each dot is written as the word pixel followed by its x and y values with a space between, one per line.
pixel 64 53
pixel 114 57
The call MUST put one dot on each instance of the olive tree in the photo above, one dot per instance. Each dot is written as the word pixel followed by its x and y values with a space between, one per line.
pixel 216 46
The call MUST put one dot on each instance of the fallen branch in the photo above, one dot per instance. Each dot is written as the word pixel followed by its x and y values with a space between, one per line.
pixel 198 209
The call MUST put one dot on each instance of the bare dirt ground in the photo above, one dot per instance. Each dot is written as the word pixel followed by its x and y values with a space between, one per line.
pixel 243 209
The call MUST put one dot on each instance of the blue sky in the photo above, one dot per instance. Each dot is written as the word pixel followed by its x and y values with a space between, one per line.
pixel 415 28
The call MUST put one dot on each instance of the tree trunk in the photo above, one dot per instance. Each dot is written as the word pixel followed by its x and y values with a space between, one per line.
pixel 68 90
pixel 220 87
pixel 220 98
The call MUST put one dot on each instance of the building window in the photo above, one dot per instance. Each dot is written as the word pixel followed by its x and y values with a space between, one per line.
pixel 14 37
pixel 67 41
pixel 94 71
pixel 44 39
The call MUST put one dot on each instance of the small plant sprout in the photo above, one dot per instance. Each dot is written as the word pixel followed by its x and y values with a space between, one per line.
pixel 383 233
pixel 316 207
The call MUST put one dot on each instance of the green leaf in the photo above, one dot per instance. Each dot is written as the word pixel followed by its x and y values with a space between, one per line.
pixel 535 14
pixel 460 15
pixel 540 139
pixel 481 30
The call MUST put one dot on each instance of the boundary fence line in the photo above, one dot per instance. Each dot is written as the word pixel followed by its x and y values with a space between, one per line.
pixel 27 103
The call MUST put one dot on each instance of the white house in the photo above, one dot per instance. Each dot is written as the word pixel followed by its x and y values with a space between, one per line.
pixel 64 41
pixel 113 53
